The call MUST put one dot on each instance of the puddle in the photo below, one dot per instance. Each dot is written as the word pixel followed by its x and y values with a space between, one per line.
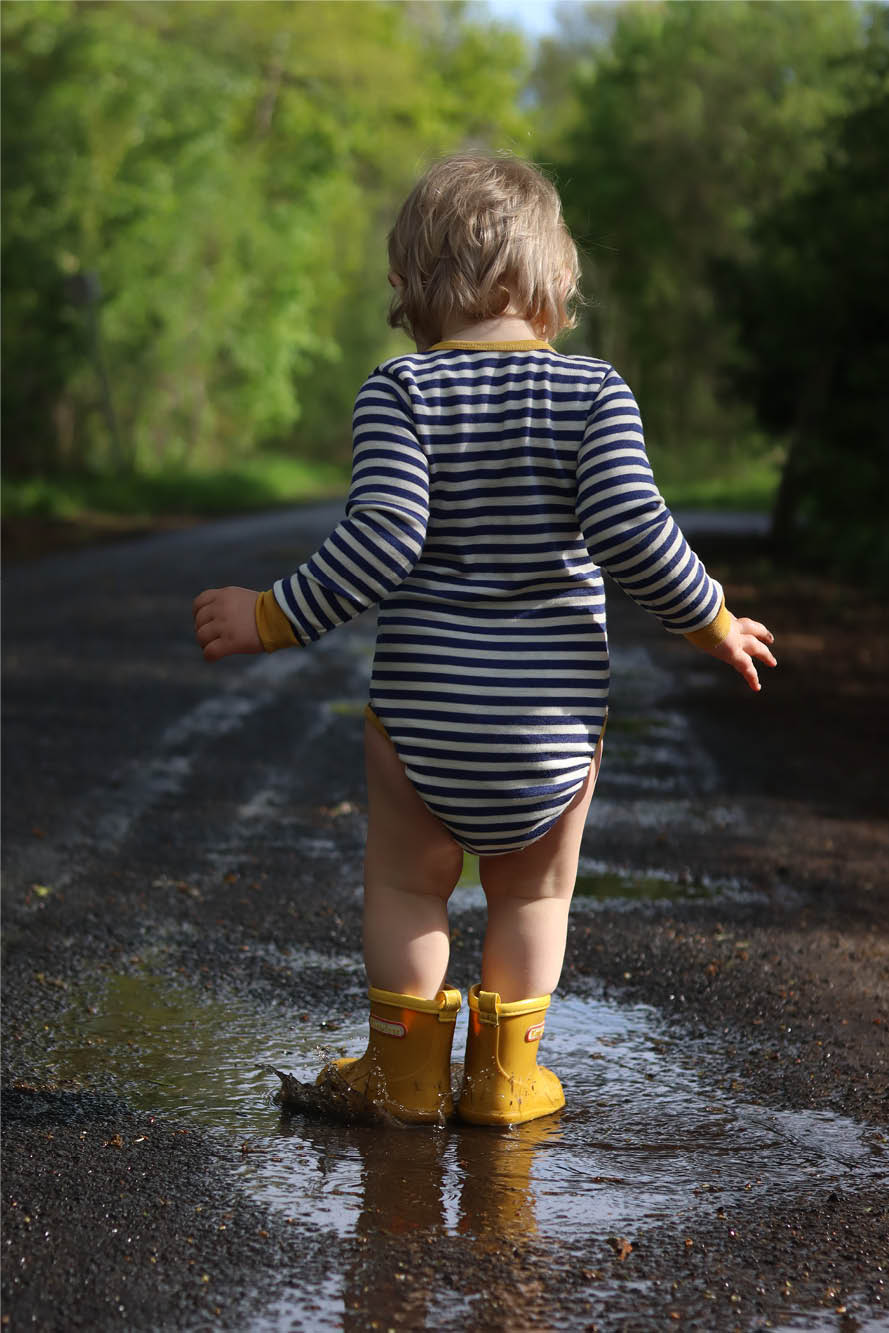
pixel 597 881
pixel 642 1129
pixel 606 885
pixel 646 1136
pixel 166 1048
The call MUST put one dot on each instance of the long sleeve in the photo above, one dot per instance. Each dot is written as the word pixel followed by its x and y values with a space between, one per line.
pixel 374 548
pixel 627 527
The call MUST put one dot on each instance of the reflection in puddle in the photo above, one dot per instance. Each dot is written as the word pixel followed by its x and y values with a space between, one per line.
pixel 167 1048
pixel 607 884
pixel 644 1138
pixel 642 1134
pixel 599 881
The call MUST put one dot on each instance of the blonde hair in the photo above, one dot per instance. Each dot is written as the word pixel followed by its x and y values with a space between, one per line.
pixel 477 237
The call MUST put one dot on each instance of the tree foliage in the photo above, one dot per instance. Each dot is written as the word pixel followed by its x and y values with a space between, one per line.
pixel 688 123
pixel 814 311
pixel 725 166
pixel 227 171
pixel 223 170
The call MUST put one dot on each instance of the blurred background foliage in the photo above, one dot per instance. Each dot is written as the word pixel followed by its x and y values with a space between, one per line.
pixel 197 197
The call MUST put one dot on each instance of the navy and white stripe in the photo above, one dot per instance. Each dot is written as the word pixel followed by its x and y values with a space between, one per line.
pixel 489 489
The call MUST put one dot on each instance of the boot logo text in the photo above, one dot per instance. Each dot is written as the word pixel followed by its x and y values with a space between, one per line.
pixel 534 1033
pixel 389 1027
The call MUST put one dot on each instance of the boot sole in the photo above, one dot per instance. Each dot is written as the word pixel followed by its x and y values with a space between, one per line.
pixel 496 1118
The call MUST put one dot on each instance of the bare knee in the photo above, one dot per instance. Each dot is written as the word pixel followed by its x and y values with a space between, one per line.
pixel 430 870
pixel 440 868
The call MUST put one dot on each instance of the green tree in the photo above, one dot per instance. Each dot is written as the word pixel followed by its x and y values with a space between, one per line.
pixel 223 169
pixel 689 123
pixel 814 309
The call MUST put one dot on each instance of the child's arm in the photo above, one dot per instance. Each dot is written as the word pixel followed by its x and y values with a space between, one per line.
pixel 629 531
pixel 368 554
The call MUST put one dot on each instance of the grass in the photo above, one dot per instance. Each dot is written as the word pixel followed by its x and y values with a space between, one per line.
pixel 256 483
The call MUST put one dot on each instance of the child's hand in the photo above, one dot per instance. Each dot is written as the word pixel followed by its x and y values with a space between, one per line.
pixel 746 643
pixel 225 622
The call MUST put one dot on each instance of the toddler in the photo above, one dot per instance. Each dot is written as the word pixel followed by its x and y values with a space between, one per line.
pixel 493 479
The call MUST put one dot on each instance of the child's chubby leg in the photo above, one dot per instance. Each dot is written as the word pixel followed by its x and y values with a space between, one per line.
pixel 411 866
pixel 529 895
pixel 410 869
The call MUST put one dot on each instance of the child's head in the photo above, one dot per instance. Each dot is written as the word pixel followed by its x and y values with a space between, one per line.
pixel 482 236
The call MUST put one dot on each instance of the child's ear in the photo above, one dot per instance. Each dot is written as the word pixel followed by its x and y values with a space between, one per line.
pixel 395 279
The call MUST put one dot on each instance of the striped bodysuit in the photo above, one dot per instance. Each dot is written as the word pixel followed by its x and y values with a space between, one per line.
pixel 491 484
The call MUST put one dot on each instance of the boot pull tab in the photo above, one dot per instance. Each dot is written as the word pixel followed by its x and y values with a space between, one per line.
pixel 450 1001
pixel 489 1007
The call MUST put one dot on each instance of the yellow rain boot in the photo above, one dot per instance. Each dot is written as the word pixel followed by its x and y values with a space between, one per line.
pixel 406 1069
pixel 502 1081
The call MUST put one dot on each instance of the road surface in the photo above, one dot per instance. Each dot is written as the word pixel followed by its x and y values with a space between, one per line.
pixel 182 911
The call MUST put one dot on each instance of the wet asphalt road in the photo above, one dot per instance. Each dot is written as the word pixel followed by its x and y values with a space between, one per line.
pixel 182 851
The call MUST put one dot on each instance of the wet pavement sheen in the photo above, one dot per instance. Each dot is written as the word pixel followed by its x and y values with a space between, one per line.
pixel 183 917
pixel 646 1138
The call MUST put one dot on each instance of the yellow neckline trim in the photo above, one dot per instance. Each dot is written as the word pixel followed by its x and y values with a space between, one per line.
pixel 520 345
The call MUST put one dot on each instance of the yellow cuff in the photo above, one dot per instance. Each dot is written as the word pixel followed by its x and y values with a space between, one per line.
pixel 714 633
pixel 274 629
